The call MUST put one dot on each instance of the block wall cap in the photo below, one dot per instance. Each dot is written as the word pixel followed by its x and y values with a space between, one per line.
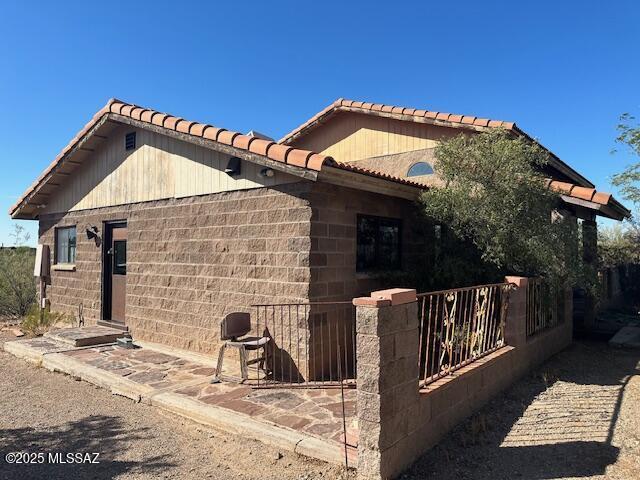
pixel 397 296
pixel 371 302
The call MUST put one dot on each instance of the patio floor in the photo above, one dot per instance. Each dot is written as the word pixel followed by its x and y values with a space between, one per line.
pixel 311 412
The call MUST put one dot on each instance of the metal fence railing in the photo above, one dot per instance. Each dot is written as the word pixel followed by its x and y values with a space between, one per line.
pixel 544 306
pixel 312 344
pixel 460 326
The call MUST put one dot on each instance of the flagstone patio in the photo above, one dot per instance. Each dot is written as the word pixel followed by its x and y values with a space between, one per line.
pixel 311 412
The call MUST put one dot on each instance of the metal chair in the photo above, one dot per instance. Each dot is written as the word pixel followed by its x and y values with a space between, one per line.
pixel 233 326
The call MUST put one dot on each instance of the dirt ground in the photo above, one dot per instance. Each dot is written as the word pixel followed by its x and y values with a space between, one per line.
pixel 575 417
pixel 47 412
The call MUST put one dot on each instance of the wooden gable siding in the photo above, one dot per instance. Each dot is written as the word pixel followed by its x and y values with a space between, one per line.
pixel 349 137
pixel 160 167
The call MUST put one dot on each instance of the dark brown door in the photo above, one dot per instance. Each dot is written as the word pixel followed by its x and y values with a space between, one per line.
pixel 115 272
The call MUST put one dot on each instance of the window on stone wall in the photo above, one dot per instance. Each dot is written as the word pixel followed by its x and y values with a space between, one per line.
pixel 420 168
pixel 66 245
pixel 378 243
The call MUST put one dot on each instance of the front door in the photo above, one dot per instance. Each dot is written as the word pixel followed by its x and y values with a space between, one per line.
pixel 115 278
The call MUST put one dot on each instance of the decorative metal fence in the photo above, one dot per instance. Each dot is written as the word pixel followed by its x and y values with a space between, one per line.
pixel 460 326
pixel 544 306
pixel 311 344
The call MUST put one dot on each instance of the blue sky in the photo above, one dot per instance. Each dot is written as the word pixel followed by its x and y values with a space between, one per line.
pixel 564 71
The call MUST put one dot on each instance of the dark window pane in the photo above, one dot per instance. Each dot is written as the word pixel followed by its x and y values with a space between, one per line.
pixel 65 245
pixel 378 243
pixel 120 257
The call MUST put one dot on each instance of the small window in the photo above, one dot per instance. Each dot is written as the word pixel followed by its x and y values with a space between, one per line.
pixel 130 141
pixel 120 257
pixel 66 245
pixel 378 243
pixel 420 168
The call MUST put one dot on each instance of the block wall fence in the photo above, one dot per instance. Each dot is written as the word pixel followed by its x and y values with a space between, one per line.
pixel 399 421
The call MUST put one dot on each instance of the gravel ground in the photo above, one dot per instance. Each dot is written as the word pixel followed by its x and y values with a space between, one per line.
pixel 47 412
pixel 576 417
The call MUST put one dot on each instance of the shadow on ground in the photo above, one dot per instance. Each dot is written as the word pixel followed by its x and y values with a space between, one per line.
pixel 105 435
pixel 556 423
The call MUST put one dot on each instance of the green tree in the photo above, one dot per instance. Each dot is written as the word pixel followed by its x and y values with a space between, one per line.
pixel 619 245
pixel 17 284
pixel 629 179
pixel 495 196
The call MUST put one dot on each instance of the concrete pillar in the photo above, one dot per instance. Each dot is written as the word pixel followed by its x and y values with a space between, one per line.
pixel 590 258
pixel 387 341
pixel 515 329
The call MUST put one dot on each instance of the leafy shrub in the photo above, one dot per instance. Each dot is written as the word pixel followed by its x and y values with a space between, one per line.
pixel 17 283
pixel 37 322
pixel 495 197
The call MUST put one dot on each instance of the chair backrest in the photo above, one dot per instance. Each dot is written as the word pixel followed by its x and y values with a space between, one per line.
pixel 234 325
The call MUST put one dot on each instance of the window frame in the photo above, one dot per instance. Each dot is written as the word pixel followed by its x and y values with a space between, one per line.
pixel 378 266
pixel 420 163
pixel 58 230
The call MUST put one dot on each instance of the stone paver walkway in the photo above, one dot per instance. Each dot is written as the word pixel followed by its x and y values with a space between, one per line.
pixel 143 366
pixel 316 412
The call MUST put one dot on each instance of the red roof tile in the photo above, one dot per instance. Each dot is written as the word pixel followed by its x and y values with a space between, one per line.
pixel 351 105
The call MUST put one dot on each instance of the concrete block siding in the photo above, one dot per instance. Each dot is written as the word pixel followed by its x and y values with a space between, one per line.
pixel 192 260
pixel 399 421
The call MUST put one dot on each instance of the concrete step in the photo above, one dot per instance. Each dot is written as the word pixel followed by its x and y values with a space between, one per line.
pixel 85 336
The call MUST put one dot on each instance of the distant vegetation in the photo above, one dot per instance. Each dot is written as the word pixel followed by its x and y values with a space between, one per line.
pixel 17 284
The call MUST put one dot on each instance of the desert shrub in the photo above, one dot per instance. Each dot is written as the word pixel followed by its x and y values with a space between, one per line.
pixel 17 283
pixel 37 322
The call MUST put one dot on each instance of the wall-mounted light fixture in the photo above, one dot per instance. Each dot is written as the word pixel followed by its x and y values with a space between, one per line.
pixel 234 167
pixel 92 234
pixel 267 172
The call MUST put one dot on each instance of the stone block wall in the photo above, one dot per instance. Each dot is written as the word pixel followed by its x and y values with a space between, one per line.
pixel 333 239
pixel 192 260
pixel 398 420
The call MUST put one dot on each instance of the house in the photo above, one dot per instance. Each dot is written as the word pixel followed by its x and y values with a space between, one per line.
pixel 162 225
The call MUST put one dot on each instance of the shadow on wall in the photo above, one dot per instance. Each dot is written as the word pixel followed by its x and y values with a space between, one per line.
pixel 556 423
pixel 102 434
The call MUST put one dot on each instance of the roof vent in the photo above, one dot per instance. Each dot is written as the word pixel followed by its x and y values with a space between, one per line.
pixel 234 167
pixel 259 135
pixel 130 141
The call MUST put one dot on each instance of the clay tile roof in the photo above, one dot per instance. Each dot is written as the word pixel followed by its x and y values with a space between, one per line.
pixel 243 141
pixel 227 137
pixel 367 171
pixel 211 133
pixel 260 146
pixel 171 122
pixel 469 121
pixel 584 193
pixel 299 157
pixel 183 126
pixel 279 152
pixel 197 129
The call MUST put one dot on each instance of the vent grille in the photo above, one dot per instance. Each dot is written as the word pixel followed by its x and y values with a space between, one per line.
pixel 130 141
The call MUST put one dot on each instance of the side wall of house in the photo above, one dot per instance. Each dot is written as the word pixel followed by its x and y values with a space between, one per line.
pixel 334 237
pixel 192 260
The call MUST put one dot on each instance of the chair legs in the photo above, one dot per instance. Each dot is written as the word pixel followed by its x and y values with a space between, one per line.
pixel 216 377
pixel 244 368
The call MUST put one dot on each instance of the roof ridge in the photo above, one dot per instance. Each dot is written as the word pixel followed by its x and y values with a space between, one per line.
pixel 341 103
